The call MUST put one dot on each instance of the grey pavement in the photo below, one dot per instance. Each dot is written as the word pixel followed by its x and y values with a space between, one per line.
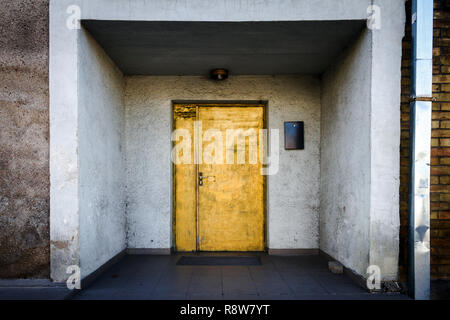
pixel 277 278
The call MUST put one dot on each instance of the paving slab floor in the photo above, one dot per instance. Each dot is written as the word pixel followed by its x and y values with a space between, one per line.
pixel 277 278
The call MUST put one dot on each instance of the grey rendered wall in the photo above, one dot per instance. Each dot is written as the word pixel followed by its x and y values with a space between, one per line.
pixel 345 157
pixel 101 158
pixel 293 193
pixel 360 154
pixel 385 142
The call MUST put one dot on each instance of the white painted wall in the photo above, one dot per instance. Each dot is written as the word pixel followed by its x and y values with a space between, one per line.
pixel 220 10
pixel 293 193
pixel 345 157
pixel 385 142
pixel 360 158
pixel 101 157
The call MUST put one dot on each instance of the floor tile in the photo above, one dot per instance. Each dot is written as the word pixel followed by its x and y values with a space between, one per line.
pixel 277 278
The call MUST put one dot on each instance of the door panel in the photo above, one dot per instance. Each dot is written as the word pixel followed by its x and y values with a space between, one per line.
pixel 185 184
pixel 226 210
pixel 230 203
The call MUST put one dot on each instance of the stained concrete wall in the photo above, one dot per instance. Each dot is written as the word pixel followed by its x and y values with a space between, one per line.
pixel 359 218
pixel 293 193
pixel 24 134
pixel 101 157
pixel 385 137
pixel 345 157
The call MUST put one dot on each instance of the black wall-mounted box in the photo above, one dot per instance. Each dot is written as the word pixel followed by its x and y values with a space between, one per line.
pixel 294 135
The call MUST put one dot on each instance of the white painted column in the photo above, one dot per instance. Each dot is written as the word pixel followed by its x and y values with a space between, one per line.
pixel 63 141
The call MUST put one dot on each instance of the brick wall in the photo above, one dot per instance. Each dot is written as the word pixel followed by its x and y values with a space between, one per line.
pixel 440 150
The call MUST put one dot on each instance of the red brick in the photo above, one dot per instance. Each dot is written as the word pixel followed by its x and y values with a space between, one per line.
pixel 444 142
pixel 440 188
pixel 440 170
pixel 440 134
pixel 445 87
pixel 439 152
pixel 445 69
pixel 441 115
pixel 442 96
pixel 444 180
pixel 441 79
pixel 445 60
pixel 444 269
pixel 435 142
pixel 433 180
pixel 445 106
pixel 444 215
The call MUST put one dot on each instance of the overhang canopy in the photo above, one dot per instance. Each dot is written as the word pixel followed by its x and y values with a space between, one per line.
pixel 253 48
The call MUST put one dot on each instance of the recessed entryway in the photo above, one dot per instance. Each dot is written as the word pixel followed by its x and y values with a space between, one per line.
pixel 219 188
pixel 111 119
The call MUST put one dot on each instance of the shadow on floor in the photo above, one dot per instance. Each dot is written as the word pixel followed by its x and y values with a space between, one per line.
pixel 277 278
pixel 440 290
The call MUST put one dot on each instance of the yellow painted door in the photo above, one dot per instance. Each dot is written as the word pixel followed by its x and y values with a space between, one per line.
pixel 231 199
pixel 224 206
pixel 185 180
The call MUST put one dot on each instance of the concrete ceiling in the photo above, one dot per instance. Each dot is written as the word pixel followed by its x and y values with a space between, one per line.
pixel 193 48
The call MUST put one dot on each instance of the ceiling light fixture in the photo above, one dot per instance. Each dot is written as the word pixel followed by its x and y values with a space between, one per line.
pixel 219 74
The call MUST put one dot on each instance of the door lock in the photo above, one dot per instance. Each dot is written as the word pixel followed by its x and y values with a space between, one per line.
pixel 201 177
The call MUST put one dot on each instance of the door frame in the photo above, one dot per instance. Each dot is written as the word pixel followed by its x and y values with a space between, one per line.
pixel 217 103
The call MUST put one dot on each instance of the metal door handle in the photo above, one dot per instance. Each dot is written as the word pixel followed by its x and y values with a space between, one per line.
pixel 201 177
